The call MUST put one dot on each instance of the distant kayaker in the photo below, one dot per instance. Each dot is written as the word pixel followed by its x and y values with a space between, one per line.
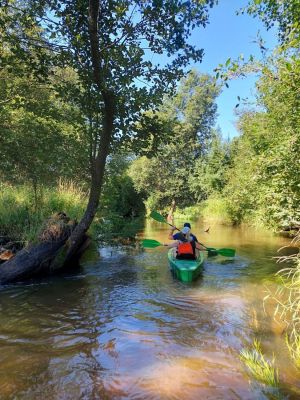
pixel 185 243
pixel 178 235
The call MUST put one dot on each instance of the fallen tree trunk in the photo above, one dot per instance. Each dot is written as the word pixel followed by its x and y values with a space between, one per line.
pixel 44 258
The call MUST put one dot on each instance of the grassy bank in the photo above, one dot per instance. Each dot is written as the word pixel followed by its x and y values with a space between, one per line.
pixel 217 209
pixel 213 209
pixel 22 213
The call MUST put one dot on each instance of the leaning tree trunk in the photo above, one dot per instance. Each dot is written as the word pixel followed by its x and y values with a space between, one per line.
pixel 98 167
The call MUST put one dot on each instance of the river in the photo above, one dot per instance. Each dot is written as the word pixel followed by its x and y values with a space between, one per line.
pixel 123 328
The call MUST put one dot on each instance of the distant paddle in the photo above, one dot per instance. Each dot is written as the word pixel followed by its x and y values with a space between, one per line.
pixel 223 252
pixel 151 243
pixel 159 218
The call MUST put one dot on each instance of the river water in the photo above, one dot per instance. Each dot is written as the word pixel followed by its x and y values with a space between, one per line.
pixel 123 328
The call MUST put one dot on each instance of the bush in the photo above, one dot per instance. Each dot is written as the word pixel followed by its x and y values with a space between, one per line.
pixel 216 209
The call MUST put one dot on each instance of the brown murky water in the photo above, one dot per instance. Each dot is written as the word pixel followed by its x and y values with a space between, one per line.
pixel 124 328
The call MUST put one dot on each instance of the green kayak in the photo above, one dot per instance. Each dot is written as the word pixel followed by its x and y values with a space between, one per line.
pixel 186 270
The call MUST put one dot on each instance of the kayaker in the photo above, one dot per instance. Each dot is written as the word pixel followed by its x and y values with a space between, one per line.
pixel 185 244
pixel 185 235
pixel 176 236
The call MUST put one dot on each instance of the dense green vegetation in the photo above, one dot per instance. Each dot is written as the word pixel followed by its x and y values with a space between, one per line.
pixel 253 179
pixel 24 211
pixel 264 178
pixel 52 120
pixel 75 90
pixel 186 121
pixel 81 102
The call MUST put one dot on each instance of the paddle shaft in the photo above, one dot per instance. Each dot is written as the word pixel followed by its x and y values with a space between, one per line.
pixel 158 217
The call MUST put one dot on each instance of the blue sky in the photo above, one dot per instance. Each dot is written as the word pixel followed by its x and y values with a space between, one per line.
pixel 229 35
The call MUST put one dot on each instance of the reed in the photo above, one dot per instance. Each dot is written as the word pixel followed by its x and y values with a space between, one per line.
pixel 287 298
pixel 293 344
pixel 261 369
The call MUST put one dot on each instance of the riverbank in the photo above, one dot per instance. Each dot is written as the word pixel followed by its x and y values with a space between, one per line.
pixel 217 210
pixel 23 214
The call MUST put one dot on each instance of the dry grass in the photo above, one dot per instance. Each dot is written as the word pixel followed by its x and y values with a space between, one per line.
pixel 55 227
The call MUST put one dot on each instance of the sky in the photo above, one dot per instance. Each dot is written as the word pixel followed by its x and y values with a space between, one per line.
pixel 229 35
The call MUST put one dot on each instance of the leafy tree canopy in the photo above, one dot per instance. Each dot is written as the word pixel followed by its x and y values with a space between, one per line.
pixel 286 13
pixel 188 118
pixel 264 180
pixel 109 45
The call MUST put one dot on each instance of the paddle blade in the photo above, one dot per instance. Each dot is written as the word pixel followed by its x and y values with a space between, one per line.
pixel 159 218
pixel 150 243
pixel 226 252
pixel 222 252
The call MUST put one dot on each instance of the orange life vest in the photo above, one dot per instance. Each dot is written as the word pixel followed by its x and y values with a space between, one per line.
pixel 184 249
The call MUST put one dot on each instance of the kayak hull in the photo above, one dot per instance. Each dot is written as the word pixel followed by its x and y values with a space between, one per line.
pixel 186 270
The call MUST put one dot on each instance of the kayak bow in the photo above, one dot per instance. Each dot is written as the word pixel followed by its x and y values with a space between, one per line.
pixel 186 270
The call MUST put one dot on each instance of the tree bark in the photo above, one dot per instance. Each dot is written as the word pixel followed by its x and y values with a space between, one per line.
pixel 96 183
pixel 98 167
pixel 43 258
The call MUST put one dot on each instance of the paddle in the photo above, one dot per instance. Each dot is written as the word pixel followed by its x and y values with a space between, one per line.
pixel 151 244
pixel 223 252
pixel 159 218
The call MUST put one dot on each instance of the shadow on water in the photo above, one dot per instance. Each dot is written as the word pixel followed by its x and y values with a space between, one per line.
pixel 122 327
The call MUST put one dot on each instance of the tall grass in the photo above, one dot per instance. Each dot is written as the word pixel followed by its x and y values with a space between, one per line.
pixel 293 344
pixel 261 369
pixel 21 218
pixel 287 298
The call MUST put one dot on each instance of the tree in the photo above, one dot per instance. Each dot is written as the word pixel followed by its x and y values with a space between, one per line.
pixel 109 45
pixel 286 13
pixel 210 170
pixel 40 135
pixel 186 121
pixel 194 105
pixel 264 180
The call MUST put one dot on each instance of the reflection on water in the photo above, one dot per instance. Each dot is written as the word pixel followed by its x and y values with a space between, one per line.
pixel 124 328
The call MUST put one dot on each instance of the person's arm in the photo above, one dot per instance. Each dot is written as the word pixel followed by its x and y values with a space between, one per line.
pixel 170 245
pixel 171 233
pixel 199 246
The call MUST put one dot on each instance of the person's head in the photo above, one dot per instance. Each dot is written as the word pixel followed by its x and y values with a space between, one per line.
pixel 185 232
pixel 187 225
